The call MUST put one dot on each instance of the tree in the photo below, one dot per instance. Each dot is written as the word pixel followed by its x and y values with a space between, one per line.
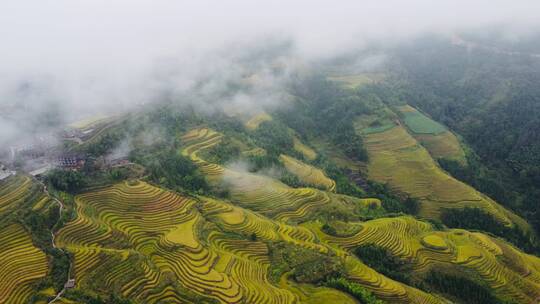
pixel 66 180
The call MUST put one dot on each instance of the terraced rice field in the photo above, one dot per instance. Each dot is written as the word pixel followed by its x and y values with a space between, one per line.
pixel 18 193
pixel 14 191
pixel 198 140
pixel 268 197
pixel 154 246
pixel 254 122
pixel 151 245
pixel 356 81
pixel 88 122
pixel 511 273
pixel 131 238
pixel 21 265
pixel 236 219
pixel 254 152
pixel 306 151
pixel 308 174
pixel 137 237
pixel 259 193
pixel 444 145
pixel 397 159
pixel 256 192
pixel 388 290
pixel 145 243
pixel 274 199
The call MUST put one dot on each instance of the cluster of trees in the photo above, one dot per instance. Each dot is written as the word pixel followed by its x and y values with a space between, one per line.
pixel 392 202
pixel 291 180
pixel 60 268
pixel 343 184
pixel 224 152
pixel 328 229
pixel 259 162
pixel 322 107
pixel 104 143
pixel 81 296
pixel 461 288
pixel 457 287
pixel 274 137
pixel 167 167
pixel 356 290
pixel 350 143
pixel 304 265
pixel 40 225
pixel 384 262
pixel 476 175
pixel 66 180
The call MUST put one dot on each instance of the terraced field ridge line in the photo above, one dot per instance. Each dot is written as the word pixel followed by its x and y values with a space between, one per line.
pixel 397 159
pixel 21 265
pixel 424 249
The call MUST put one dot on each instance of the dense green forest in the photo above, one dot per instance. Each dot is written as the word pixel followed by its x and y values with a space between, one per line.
pixel 492 100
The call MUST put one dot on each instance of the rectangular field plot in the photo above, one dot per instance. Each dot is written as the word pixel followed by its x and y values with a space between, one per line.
pixel 420 123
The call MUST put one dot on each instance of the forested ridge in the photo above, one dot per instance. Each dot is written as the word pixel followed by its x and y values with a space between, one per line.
pixel 492 100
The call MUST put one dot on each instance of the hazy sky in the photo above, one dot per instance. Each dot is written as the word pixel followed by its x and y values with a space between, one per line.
pixel 100 52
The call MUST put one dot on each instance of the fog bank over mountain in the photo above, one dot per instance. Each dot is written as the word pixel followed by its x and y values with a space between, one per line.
pixel 72 58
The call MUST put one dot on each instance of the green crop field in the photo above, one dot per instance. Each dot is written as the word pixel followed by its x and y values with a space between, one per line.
pixel 420 123
pixel 440 142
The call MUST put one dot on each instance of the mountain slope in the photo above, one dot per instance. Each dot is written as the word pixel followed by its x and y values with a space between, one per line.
pixel 337 198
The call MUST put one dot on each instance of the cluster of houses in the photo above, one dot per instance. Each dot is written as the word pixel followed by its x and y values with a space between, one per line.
pixel 39 154
pixel 37 162
pixel 5 172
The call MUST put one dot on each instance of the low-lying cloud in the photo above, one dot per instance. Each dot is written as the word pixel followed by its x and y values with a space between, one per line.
pixel 72 58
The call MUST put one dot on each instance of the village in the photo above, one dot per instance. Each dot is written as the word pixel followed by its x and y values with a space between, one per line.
pixel 37 155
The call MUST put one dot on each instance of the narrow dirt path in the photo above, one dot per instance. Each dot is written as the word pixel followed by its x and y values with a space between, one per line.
pixel 59 202
pixel 57 296
pixel 59 212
